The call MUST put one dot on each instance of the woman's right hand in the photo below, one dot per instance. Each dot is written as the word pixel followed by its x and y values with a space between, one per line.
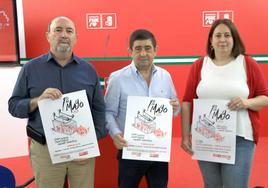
pixel 185 128
pixel 187 146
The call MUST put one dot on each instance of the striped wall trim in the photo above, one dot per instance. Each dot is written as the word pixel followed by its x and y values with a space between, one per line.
pixel 163 60
pixel 102 83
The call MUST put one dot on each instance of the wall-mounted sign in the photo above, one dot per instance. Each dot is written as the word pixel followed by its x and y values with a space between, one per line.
pixel 210 16
pixel 101 20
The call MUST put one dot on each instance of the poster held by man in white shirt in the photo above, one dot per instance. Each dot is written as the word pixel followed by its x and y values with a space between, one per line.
pixel 148 129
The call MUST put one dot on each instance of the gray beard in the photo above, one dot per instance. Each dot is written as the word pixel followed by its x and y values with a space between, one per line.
pixel 63 48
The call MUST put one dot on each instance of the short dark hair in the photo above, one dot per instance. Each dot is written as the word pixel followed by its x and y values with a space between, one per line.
pixel 141 34
pixel 238 47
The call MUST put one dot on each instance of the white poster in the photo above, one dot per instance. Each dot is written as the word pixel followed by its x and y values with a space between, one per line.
pixel 69 128
pixel 213 131
pixel 148 129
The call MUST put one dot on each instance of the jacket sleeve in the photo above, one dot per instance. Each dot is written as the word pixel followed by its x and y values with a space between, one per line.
pixel 194 77
pixel 257 79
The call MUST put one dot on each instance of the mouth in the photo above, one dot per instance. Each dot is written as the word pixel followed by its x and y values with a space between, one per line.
pixel 222 45
pixel 143 59
pixel 64 42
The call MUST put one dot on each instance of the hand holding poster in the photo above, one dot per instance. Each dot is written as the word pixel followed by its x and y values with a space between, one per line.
pixel 69 128
pixel 148 129
pixel 213 131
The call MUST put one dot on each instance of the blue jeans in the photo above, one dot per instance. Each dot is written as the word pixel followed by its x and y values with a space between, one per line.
pixel 218 175
pixel 132 171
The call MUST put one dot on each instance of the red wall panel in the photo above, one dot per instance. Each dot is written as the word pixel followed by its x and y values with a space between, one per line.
pixel 177 24
pixel 8 51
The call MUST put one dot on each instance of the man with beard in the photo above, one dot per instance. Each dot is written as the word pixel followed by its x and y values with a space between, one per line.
pixel 49 76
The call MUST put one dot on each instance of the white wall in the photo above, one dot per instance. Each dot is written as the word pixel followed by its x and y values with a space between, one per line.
pixel 13 139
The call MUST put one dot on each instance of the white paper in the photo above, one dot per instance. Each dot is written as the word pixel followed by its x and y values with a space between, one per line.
pixel 69 128
pixel 148 129
pixel 213 131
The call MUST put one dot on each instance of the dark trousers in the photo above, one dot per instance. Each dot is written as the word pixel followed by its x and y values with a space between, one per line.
pixel 132 171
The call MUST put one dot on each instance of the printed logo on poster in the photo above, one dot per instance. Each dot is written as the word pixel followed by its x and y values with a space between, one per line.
pixel 210 16
pixel 101 20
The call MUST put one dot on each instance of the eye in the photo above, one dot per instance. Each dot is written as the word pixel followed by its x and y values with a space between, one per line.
pixel 58 30
pixel 218 35
pixel 138 49
pixel 227 35
pixel 148 48
pixel 69 30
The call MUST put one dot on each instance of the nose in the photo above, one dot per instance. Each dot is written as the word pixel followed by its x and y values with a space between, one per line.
pixel 143 52
pixel 63 34
pixel 223 38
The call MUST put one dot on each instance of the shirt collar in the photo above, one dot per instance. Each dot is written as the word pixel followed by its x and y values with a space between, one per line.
pixel 134 68
pixel 73 59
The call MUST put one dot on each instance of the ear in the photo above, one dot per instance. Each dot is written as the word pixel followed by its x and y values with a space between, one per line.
pixel 210 40
pixel 47 36
pixel 130 51
pixel 156 49
pixel 76 38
